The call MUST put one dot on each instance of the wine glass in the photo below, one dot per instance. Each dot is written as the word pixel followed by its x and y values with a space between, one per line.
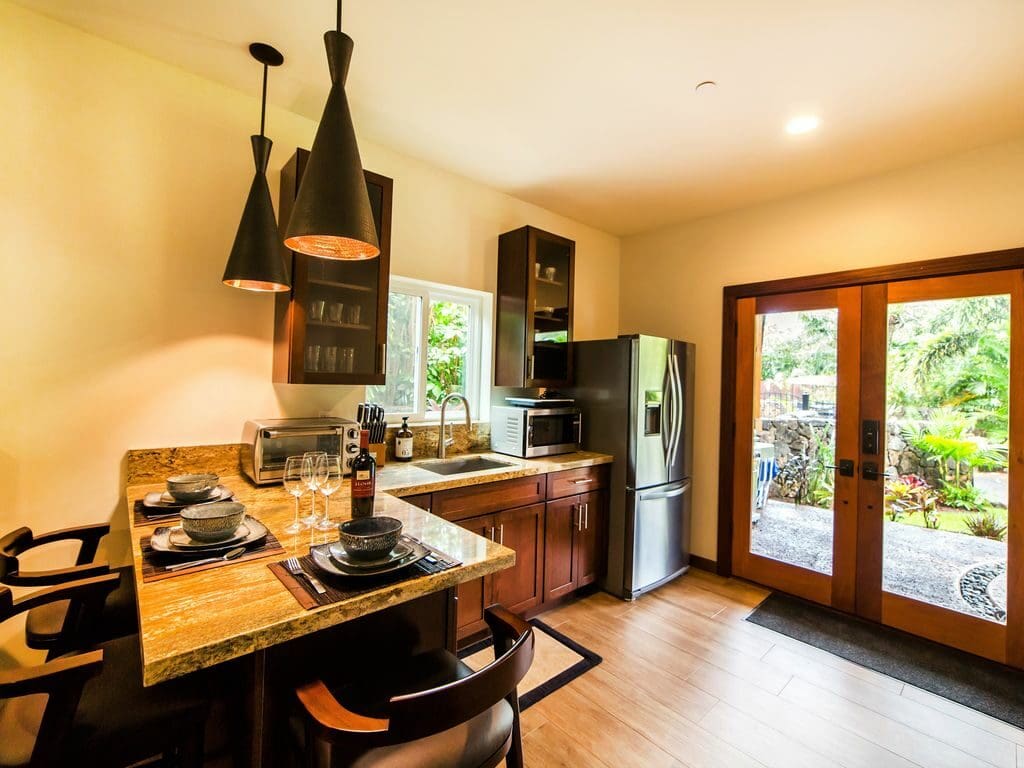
pixel 328 474
pixel 295 484
pixel 309 477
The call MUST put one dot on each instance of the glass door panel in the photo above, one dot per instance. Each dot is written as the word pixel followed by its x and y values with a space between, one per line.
pixel 946 448
pixel 792 491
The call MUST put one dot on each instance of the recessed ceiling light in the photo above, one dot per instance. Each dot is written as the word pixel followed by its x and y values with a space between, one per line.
pixel 802 124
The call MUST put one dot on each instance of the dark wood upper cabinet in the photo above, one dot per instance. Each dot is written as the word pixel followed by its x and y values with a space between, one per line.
pixel 535 309
pixel 331 328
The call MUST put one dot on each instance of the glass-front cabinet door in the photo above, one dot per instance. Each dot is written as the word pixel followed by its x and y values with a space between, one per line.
pixel 331 328
pixel 535 309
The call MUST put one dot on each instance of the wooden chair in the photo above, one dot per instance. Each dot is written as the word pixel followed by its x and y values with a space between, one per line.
pixel 90 709
pixel 431 711
pixel 45 624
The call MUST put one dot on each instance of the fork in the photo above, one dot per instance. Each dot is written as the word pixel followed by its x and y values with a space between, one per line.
pixel 295 569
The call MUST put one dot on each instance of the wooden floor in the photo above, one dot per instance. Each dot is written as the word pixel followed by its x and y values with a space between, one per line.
pixel 686 682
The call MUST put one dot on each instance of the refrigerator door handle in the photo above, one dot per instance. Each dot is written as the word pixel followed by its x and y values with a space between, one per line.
pixel 678 399
pixel 666 430
pixel 667 494
pixel 673 442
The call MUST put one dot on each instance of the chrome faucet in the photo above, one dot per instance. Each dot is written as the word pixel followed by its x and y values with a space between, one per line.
pixel 442 441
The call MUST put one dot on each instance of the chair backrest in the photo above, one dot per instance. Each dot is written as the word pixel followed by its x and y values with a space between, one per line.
pixel 12 545
pixel 426 712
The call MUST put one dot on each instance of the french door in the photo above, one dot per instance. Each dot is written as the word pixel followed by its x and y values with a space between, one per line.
pixel 878 453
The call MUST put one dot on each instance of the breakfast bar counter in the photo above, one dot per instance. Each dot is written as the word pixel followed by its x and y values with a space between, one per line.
pixel 200 619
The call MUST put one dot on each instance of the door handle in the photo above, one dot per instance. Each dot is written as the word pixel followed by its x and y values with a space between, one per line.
pixel 667 494
pixel 583 482
pixel 501 533
pixel 586 516
pixel 677 405
pixel 845 467
pixel 870 472
pixel 532 365
pixel 491 536
pixel 578 512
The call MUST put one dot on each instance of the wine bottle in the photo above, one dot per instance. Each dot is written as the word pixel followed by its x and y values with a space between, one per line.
pixel 364 478
pixel 403 442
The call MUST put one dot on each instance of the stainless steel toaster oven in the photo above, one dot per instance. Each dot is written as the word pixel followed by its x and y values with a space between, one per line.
pixel 267 443
pixel 529 432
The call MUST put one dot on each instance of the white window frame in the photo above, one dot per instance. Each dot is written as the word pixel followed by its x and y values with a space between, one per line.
pixel 479 348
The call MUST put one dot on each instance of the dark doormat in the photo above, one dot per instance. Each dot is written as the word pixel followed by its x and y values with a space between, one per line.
pixel 571 662
pixel 980 684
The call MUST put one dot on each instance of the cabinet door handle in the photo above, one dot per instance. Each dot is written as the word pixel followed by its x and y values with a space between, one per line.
pixel 491 536
pixel 532 366
pixel 583 482
pixel 578 511
pixel 384 358
pixel 586 515
pixel 501 533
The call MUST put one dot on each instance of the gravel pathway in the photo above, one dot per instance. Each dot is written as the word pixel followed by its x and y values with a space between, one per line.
pixel 919 563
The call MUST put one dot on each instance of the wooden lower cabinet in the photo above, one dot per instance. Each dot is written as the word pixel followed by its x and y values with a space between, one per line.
pixel 592 544
pixel 574 542
pixel 560 538
pixel 520 587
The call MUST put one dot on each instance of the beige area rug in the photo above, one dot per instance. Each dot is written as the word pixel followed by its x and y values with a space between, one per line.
pixel 557 660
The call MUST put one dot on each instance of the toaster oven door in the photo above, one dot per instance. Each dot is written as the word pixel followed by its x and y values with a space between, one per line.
pixel 276 445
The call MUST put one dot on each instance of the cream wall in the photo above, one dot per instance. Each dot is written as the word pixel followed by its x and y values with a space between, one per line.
pixel 122 183
pixel 672 279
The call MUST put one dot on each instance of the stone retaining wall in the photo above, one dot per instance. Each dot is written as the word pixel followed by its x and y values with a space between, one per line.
pixel 801 436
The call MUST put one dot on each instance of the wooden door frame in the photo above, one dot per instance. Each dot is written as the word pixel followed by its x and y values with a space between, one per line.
pixel 870 279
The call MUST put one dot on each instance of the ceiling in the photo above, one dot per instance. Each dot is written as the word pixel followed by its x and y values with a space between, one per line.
pixel 589 108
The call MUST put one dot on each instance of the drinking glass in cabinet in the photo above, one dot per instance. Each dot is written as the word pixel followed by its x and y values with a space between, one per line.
pixel 316 310
pixel 336 311
pixel 313 357
pixel 346 360
pixel 355 314
pixel 330 361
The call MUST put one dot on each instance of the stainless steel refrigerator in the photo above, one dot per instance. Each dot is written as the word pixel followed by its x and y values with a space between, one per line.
pixel 636 395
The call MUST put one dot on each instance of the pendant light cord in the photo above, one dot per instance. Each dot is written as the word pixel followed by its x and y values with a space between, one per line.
pixel 263 105
pixel 339 17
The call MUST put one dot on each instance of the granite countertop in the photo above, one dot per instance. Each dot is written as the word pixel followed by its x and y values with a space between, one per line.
pixel 411 478
pixel 197 620
pixel 201 619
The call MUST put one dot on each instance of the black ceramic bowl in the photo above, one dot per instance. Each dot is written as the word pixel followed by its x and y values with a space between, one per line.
pixel 369 538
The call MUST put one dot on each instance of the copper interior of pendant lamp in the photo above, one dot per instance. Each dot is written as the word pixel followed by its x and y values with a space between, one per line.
pixel 329 247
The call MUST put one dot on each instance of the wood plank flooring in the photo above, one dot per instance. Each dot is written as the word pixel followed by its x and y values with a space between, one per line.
pixel 687 683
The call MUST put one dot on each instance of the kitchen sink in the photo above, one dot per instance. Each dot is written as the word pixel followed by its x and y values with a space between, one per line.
pixel 462 466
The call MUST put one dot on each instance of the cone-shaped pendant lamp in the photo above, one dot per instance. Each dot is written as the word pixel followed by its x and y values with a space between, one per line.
pixel 332 217
pixel 257 261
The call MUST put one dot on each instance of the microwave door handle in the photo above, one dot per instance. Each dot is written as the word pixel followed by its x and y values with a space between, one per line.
pixel 275 433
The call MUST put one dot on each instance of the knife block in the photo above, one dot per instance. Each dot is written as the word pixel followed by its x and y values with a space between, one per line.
pixel 379 452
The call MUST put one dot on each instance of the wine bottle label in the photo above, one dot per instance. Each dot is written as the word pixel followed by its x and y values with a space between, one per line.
pixel 363 484
pixel 403 447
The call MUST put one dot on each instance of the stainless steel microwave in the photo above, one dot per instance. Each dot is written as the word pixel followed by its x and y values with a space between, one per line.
pixel 530 432
pixel 267 443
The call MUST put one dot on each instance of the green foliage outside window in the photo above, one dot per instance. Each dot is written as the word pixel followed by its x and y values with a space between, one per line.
pixel 447 347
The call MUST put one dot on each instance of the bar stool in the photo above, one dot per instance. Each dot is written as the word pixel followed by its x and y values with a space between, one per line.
pixel 89 708
pixel 431 710
pixel 43 625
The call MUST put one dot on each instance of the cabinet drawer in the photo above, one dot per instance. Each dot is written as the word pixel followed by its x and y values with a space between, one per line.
pixel 462 503
pixel 573 481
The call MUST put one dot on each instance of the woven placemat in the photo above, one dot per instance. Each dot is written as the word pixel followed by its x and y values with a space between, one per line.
pixel 339 589
pixel 154 564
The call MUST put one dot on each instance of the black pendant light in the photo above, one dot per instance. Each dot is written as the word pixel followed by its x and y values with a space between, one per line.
pixel 332 217
pixel 257 261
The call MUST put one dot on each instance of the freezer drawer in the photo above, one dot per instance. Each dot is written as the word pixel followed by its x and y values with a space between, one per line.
pixel 661 547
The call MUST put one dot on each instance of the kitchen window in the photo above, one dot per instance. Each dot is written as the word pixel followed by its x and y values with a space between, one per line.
pixel 439 341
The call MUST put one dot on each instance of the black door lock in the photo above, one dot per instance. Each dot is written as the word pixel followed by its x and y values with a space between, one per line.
pixel 870 472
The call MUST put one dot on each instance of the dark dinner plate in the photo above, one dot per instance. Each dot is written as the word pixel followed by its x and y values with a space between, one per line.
pixel 323 560
pixel 160 541
pixel 167 503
